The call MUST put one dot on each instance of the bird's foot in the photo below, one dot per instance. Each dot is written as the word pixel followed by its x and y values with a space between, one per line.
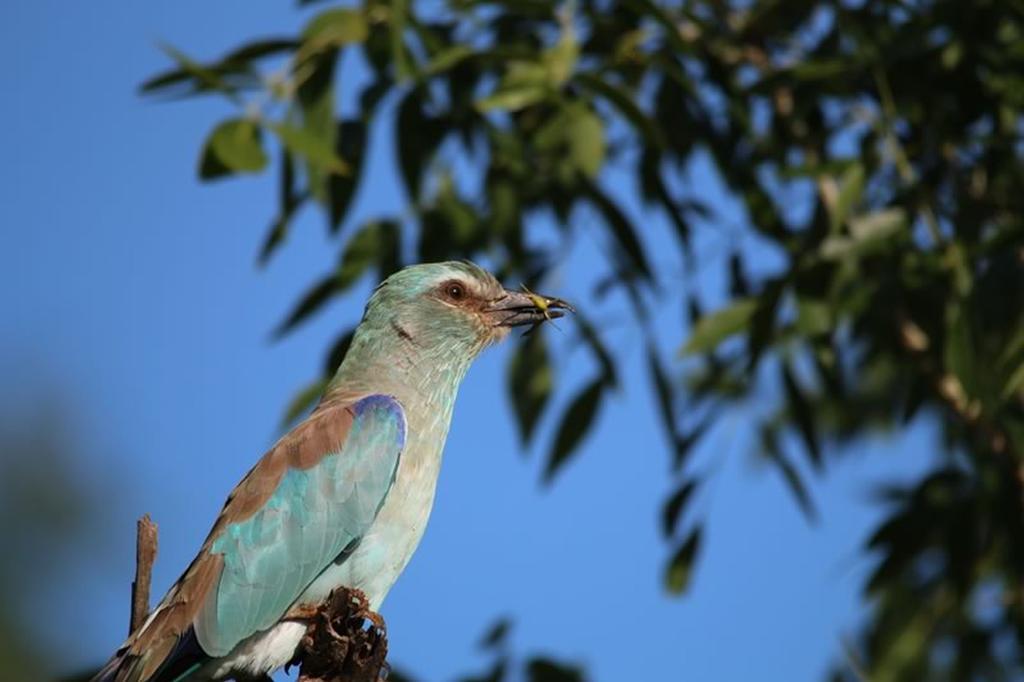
pixel 377 621
pixel 345 640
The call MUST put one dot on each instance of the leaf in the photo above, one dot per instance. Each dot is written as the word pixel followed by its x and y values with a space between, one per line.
pixel 258 49
pixel 312 301
pixel 317 101
pixel 334 28
pixel 712 329
pixel 1015 382
pixel 418 136
pixel 673 509
pixel 621 229
pixel 865 233
pixel 626 104
pixel 772 451
pixel 586 140
pixel 590 336
pixel 802 414
pixel 529 382
pixel 350 148
pixel 338 352
pixel 813 317
pixel 666 399
pixel 654 190
pixel 575 423
pixel 543 670
pixel 303 401
pixel 496 635
pixel 560 60
pixel 851 188
pixel 680 567
pixel 446 59
pixel 234 146
pixel 375 244
pixel 512 98
pixel 205 78
pixel 288 203
pixel 301 143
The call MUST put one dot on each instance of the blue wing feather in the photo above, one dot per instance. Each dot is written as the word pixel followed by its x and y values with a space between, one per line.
pixel 312 516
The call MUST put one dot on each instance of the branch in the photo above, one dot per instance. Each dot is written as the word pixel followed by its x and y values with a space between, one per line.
pixel 145 555
pixel 345 640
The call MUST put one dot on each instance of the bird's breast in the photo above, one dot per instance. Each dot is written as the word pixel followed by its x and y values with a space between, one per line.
pixel 384 551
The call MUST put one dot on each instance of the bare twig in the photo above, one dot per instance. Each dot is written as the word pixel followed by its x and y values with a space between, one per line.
pixel 145 555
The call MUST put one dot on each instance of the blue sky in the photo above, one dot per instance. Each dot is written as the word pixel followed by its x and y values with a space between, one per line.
pixel 132 296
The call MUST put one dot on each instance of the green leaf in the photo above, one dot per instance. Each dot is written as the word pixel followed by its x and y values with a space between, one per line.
pixel 337 353
pixel 715 328
pixel 680 567
pixel 317 101
pixel 529 382
pixel 446 59
pixel 304 144
pixel 375 244
pixel 496 635
pixel 576 422
pixel 866 232
pixel 303 401
pixel 621 229
pixel 234 146
pixel 666 401
pixel 850 190
pixel 417 136
pixel 314 299
pixel 560 60
pixel 586 140
pixel 258 49
pixel 543 670
pixel 206 78
pixel 673 509
pixel 958 352
pixel 772 451
pixel 513 98
pixel 350 147
pixel 334 28
pixel 592 339
pixel 802 413
pixel 1015 382
pixel 524 83
pixel 626 103
pixel 289 203
pixel 813 317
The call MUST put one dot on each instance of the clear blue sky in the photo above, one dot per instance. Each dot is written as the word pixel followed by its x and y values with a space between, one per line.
pixel 131 294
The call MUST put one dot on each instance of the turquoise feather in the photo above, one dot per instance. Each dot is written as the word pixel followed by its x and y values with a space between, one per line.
pixel 271 557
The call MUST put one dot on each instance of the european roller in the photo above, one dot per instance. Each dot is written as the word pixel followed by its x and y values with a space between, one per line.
pixel 343 498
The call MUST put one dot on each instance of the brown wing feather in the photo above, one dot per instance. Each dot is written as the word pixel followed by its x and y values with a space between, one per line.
pixel 148 648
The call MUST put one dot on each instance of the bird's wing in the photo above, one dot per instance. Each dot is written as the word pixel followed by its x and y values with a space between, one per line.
pixel 315 492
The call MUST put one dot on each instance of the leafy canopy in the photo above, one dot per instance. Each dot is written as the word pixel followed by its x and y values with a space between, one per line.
pixel 876 151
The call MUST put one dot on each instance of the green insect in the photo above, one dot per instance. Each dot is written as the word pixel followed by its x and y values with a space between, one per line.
pixel 545 305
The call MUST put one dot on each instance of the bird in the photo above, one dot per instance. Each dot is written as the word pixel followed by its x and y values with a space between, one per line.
pixel 343 498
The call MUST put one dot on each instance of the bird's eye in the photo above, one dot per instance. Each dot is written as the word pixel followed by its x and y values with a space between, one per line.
pixel 455 291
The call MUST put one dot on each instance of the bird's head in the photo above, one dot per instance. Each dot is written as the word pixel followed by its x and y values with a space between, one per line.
pixel 455 305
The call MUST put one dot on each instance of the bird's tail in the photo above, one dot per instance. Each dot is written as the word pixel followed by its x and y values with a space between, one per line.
pixel 180 665
pixel 110 672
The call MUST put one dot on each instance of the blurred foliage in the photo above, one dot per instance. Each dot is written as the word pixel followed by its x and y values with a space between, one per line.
pixel 506 667
pixel 43 519
pixel 876 150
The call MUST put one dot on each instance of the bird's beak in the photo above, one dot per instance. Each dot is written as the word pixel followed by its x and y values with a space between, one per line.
pixel 517 308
